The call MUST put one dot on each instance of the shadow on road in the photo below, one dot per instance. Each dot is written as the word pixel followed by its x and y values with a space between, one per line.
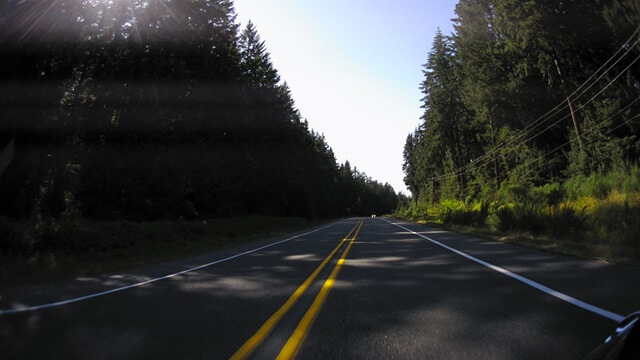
pixel 397 296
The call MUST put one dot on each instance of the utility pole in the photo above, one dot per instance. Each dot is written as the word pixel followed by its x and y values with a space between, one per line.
pixel 433 198
pixel 573 116
pixel 493 147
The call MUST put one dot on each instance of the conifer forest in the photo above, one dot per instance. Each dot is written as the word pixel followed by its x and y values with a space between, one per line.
pixel 147 110
pixel 531 121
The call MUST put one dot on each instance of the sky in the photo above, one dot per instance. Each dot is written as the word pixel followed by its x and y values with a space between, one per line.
pixel 354 68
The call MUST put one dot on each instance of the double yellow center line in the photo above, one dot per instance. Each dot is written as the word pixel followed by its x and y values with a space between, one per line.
pixel 292 346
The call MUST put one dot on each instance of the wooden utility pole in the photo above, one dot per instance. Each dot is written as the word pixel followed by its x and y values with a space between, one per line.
pixel 493 147
pixel 573 115
pixel 433 198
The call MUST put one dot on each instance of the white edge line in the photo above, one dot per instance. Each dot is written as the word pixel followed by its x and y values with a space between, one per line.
pixel 81 298
pixel 571 300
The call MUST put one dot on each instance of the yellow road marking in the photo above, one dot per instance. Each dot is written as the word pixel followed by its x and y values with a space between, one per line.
pixel 250 345
pixel 291 348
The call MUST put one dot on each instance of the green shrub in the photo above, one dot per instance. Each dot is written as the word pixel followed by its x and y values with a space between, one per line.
pixel 448 207
pixel 475 215
pixel 631 183
pixel 519 218
pixel 548 194
pixel 598 185
pixel 615 221
pixel 463 217
pixel 565 222
pixel 625 179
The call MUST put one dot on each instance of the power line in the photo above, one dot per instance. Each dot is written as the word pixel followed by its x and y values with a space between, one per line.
pixel 526 130
pixel 563 145
pixel 460 171
pixel 589 142
pixel 546 116
pixel 543 118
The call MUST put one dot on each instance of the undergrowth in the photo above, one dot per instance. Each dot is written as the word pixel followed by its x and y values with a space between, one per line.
pixel 600 211
pixel 45 248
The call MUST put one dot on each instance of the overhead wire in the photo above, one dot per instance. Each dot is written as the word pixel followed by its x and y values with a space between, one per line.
pixel 547 128
pixel 588 142
pixel 540 120
pixel 587 132
pixel 563 105
pixel 524 131
pixel 553 112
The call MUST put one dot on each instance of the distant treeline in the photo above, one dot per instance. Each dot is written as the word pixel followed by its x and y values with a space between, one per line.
pixel 523 94
pixel 146 110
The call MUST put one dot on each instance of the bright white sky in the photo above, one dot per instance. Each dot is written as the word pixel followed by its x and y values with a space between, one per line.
pixel 354 68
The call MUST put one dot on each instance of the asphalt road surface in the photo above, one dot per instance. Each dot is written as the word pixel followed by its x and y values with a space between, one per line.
pixel 359 288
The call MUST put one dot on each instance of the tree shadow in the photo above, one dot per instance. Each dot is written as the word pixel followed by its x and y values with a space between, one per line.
pixel 395 297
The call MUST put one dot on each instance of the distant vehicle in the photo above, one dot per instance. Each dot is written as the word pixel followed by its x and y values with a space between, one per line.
pixel 374 215
pixel 624 343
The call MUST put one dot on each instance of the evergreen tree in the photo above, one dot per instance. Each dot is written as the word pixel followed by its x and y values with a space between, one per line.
pixel 154 110
pixel 446 135
pixel 489 91
pixel 255 61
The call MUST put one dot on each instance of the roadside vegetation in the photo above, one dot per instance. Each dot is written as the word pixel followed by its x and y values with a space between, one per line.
pixel 147 111
pixel 594 217
pixel 128 125
pixel 43 249
pixel 531 131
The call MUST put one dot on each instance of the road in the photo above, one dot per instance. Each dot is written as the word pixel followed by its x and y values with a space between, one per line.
pixel 357 288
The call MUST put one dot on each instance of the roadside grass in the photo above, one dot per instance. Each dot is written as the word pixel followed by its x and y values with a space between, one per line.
pixel 605 228
pixel 46 249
